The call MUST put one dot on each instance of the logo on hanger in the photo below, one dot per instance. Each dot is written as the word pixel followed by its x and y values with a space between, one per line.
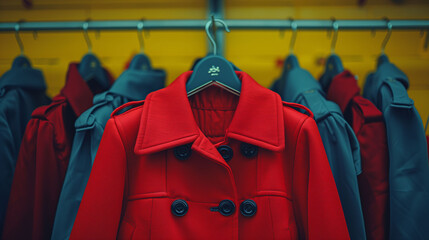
pixel 214 70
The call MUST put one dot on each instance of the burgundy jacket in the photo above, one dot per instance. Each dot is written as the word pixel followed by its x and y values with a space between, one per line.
pixel 43 161
pixel 211 166
pixel 368 124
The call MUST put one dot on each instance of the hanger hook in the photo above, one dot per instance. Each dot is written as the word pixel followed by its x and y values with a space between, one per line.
pixel 335 37
pixel 18 38
pixel 294 27
pixel 140 35
pixel 387 37
pixel 209 35
pixel 86 36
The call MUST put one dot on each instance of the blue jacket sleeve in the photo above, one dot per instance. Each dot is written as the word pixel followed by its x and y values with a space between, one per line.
pixel 409 170
pixel 342 150
pixel 84 149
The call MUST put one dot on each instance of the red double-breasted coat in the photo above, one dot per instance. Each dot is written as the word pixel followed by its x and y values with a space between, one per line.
pixel 211 166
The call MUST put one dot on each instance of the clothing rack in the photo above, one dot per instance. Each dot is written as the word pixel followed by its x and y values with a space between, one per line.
pixel 238 24
pixel 267 24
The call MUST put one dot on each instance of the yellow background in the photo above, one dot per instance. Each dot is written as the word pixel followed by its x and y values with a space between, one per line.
pixel 256 52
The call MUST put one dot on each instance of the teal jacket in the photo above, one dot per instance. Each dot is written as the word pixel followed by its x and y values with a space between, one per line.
pixel 408 157
pixel 22 89
pixel 341 145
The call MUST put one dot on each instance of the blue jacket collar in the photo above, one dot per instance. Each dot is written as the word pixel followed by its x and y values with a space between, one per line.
pixel 385 71
pixel 389 70
pixel 136 84
pixel 295 82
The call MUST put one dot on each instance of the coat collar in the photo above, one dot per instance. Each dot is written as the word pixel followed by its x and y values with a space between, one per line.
pixel 76 91
pixel 375 80
pixel 296 82
pixel 342 89
pixel 167 120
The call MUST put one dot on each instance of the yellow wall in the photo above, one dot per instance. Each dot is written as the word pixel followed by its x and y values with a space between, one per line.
pixel 256 52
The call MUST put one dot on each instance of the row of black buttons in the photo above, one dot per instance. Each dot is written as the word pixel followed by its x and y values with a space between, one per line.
pixel 248 150
pixel 226 207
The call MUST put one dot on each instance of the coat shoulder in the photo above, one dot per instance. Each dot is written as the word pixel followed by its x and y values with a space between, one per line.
pixel 127 119
pixel 297 110
pixel 294 116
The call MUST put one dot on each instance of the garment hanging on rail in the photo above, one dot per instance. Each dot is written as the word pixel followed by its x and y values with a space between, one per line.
pixel 43 160
pixel 368 125
pixel 342 148
pixel 211 166
pixel 427 140
pixel 22 89
pixel 131 85
pixel 408 163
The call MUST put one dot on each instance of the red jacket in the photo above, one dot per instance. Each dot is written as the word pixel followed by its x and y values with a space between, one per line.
pixel 211 166
pixel 43 160
pixel 368 124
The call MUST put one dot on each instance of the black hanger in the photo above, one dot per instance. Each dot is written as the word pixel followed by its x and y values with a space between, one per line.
pixel 21 62
pixel 383 57
pixel 213 70
pixel 290 63
pixel 334 65
pixel 140 61
pixel 90 67
pixel 291 60
pixel 210 54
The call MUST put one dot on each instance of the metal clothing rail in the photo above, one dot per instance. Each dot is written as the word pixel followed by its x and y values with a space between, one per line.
pixel 232 24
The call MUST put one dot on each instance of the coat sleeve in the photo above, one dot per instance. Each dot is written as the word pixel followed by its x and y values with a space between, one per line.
pixel 101 206
pixel 317 206
pixel 36 185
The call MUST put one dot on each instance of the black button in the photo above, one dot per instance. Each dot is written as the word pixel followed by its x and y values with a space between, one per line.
pixel 226 207
pixel 248 208
pixel 183 152
pixel 179 208
pixel 249 150
pixel 226 152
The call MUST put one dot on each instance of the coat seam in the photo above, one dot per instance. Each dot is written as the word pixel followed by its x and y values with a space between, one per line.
pixel 271 217
pixel 150 222
pixel 294 154
pixel 118 128
pixel 140 135
pixel 277 119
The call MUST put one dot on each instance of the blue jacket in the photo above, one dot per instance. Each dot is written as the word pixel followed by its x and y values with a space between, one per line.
pixel 22 89
pixel 132 85
pixel 408 158
pixel 341 145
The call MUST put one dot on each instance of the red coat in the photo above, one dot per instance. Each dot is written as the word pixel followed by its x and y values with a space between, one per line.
pixel 158 173
pixel 43 160
pixel 368 124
